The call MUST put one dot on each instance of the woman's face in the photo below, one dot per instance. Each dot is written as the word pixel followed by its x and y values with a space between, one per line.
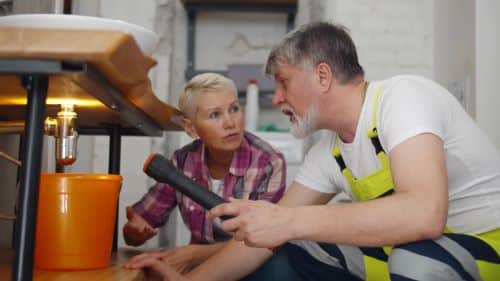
pixel 218 120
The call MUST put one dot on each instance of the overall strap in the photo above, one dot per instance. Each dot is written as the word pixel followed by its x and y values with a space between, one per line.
pixel 373 133
pixel 340 161
pixel 377 184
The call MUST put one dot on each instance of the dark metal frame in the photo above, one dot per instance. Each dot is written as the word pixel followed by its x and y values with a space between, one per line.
pixel 36 85
pixel 193 9
pixel 6 7
pixel 35 78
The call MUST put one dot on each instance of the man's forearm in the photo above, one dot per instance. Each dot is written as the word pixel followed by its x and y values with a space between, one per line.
pixel 373 223
pixel 234 262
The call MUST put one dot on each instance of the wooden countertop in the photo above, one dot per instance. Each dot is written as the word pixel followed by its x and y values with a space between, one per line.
pixel 116 59
pixel 115 271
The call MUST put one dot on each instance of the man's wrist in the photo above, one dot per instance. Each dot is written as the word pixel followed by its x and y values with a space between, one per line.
pixel 293 225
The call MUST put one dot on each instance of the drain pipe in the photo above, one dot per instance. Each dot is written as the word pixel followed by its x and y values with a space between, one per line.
pixel 63 128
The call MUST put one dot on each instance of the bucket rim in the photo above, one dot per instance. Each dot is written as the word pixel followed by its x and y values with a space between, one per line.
pixel 83 176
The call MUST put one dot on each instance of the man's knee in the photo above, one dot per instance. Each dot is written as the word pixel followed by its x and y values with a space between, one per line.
pixel 310 268
pixel 423 260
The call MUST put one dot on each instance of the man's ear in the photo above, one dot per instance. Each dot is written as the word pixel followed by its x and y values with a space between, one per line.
pixel 325 76
pixel 189 128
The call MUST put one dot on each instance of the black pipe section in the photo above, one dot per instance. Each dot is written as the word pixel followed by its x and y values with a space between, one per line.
pixel 162 170
pixel 36 86
pixel 115 145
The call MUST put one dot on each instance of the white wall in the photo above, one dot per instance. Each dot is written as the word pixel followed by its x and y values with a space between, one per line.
pixel 237 38
pixel 392 36
pixel 487 63
pixel 454 54
pixel 430 38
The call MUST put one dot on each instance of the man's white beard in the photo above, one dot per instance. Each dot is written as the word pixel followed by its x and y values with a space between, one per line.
pixel 304 126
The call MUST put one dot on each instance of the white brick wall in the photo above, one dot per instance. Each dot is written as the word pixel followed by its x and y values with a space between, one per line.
pixel 392 36
pixel 487 62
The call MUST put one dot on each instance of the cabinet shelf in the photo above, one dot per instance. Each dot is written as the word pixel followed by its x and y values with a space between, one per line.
pixel 193 7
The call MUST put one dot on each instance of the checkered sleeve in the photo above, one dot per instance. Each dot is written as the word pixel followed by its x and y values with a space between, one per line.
pixel 157 203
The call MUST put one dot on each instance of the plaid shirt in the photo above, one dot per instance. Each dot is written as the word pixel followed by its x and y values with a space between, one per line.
pixel 257 172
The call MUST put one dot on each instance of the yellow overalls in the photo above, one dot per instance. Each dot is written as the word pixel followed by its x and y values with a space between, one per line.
pixel 379 184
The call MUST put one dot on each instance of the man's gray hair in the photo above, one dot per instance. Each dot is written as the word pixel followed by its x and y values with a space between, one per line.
pixel 315 43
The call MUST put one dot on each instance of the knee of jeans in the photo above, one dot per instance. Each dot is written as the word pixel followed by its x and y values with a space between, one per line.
pixel 278 260
pixel 277 268
pixel 280 265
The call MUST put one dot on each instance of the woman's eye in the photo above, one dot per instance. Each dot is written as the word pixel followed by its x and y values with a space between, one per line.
pixel 214 115
pixel 234 108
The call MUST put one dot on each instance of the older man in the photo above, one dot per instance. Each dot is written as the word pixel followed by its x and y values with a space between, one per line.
pixel 424 179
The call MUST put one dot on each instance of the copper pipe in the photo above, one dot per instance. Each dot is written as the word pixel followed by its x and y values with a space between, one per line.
pixel 11 127
pixel 10 158
pixel 63 128
pixel 7 217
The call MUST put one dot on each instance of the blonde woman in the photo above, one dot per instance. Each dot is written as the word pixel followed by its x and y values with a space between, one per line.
pixel 223 158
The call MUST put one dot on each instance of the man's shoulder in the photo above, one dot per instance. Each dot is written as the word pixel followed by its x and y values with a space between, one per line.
pixel 404 80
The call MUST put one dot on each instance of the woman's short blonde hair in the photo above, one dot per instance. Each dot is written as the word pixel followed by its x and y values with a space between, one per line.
pixel 201 83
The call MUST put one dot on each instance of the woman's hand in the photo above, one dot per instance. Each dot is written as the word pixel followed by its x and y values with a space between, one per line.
pixel 182 259
pixel 157 264
pixel 137 230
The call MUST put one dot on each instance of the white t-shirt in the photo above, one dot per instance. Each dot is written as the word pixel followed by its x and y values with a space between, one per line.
pixel 216 187
pixel 408 106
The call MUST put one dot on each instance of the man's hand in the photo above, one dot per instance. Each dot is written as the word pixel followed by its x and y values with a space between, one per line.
pixel 258 223
pixel 136 231
pixel 156 263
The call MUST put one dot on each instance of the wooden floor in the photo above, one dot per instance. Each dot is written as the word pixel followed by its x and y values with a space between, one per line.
pixel 114 272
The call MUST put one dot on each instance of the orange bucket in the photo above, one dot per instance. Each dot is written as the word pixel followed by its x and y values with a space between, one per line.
pixel 75 220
